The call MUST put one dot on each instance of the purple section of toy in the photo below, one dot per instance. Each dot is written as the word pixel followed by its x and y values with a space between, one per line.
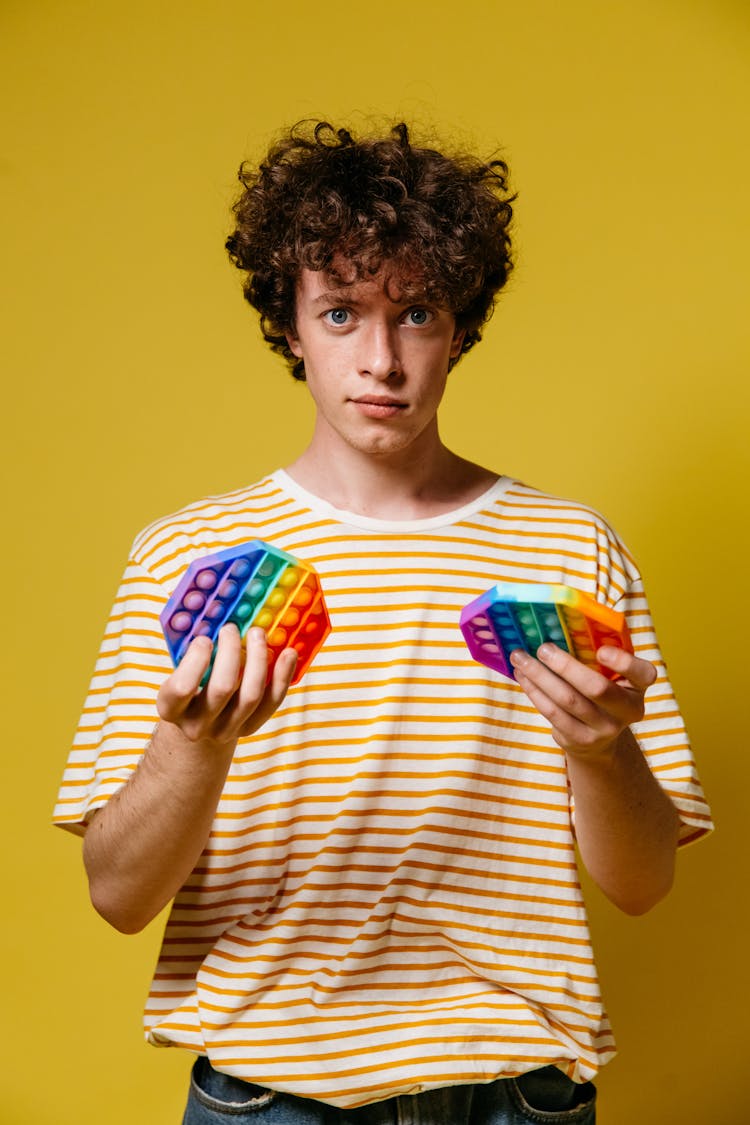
pixel 482 640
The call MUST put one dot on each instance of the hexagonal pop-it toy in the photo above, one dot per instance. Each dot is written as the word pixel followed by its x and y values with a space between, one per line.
pixel 519 615
pixel 251 584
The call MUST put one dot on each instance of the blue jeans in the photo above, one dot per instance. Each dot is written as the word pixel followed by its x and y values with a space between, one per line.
pixel 543 1096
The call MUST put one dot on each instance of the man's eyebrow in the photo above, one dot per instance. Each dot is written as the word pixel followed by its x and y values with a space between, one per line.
pixel 349 297
pixel 340 295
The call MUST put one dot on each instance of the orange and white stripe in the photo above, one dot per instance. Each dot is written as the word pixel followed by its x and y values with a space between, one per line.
pixel 388 900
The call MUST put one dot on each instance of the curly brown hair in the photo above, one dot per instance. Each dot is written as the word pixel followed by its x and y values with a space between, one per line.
pixel 321 197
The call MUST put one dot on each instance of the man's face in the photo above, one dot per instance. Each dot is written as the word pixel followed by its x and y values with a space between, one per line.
pixel 376 365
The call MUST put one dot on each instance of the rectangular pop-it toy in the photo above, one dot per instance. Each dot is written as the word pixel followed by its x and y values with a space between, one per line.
pixel 515 615
pixel 250 584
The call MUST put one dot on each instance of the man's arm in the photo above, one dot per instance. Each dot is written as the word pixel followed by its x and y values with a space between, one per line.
pixel 140 848
pixel 626 825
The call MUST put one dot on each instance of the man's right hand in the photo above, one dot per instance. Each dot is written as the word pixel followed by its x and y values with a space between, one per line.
pixel 239 695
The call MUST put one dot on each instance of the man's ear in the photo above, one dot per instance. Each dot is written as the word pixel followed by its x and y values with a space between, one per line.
pixel 293 341
pixel 456 343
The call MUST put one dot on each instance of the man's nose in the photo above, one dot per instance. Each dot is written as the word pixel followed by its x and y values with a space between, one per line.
pixel 379 354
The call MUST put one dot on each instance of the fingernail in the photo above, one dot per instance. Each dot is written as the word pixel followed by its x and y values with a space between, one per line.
pixel 518 658
pixel 545 651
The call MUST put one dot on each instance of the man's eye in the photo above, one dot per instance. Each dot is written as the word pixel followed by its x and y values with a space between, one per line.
pixel 418 316
pixel 338 316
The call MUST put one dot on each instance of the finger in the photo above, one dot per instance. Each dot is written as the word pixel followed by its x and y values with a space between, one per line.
pixel 283 673
pixel 255 675
pixel 567 667
pixel 274 693
pixel 573 690
pixel 225 674
pixel 638 672
pixel 559 690
pixel 250 667
pixel 563 676
pixel 569 731
pixel 178 690
pixel 621 699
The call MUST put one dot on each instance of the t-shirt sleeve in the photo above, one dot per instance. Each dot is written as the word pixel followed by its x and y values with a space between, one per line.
pixel 119 714
pixel 661 733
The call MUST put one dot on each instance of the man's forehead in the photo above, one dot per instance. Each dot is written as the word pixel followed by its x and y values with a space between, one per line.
pixel 344 281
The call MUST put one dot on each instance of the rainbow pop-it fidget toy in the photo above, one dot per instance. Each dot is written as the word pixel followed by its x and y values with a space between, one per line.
pixel 515 615
pixel 250 584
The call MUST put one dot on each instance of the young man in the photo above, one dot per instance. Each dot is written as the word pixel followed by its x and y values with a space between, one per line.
pixel 377 911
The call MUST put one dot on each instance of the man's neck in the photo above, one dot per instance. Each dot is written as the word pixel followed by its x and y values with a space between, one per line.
pixel 405 486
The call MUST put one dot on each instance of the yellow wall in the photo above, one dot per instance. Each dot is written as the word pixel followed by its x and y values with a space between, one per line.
pixel 134 381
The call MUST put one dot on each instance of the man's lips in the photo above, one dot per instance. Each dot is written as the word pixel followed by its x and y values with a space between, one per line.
pixel 378 406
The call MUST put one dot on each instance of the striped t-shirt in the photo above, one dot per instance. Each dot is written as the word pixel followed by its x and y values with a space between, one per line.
pixel 388 900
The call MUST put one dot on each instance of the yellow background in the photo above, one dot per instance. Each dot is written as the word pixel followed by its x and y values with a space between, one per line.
pixel 134 380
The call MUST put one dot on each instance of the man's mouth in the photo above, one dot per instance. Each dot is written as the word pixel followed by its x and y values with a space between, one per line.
pixel 378 406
